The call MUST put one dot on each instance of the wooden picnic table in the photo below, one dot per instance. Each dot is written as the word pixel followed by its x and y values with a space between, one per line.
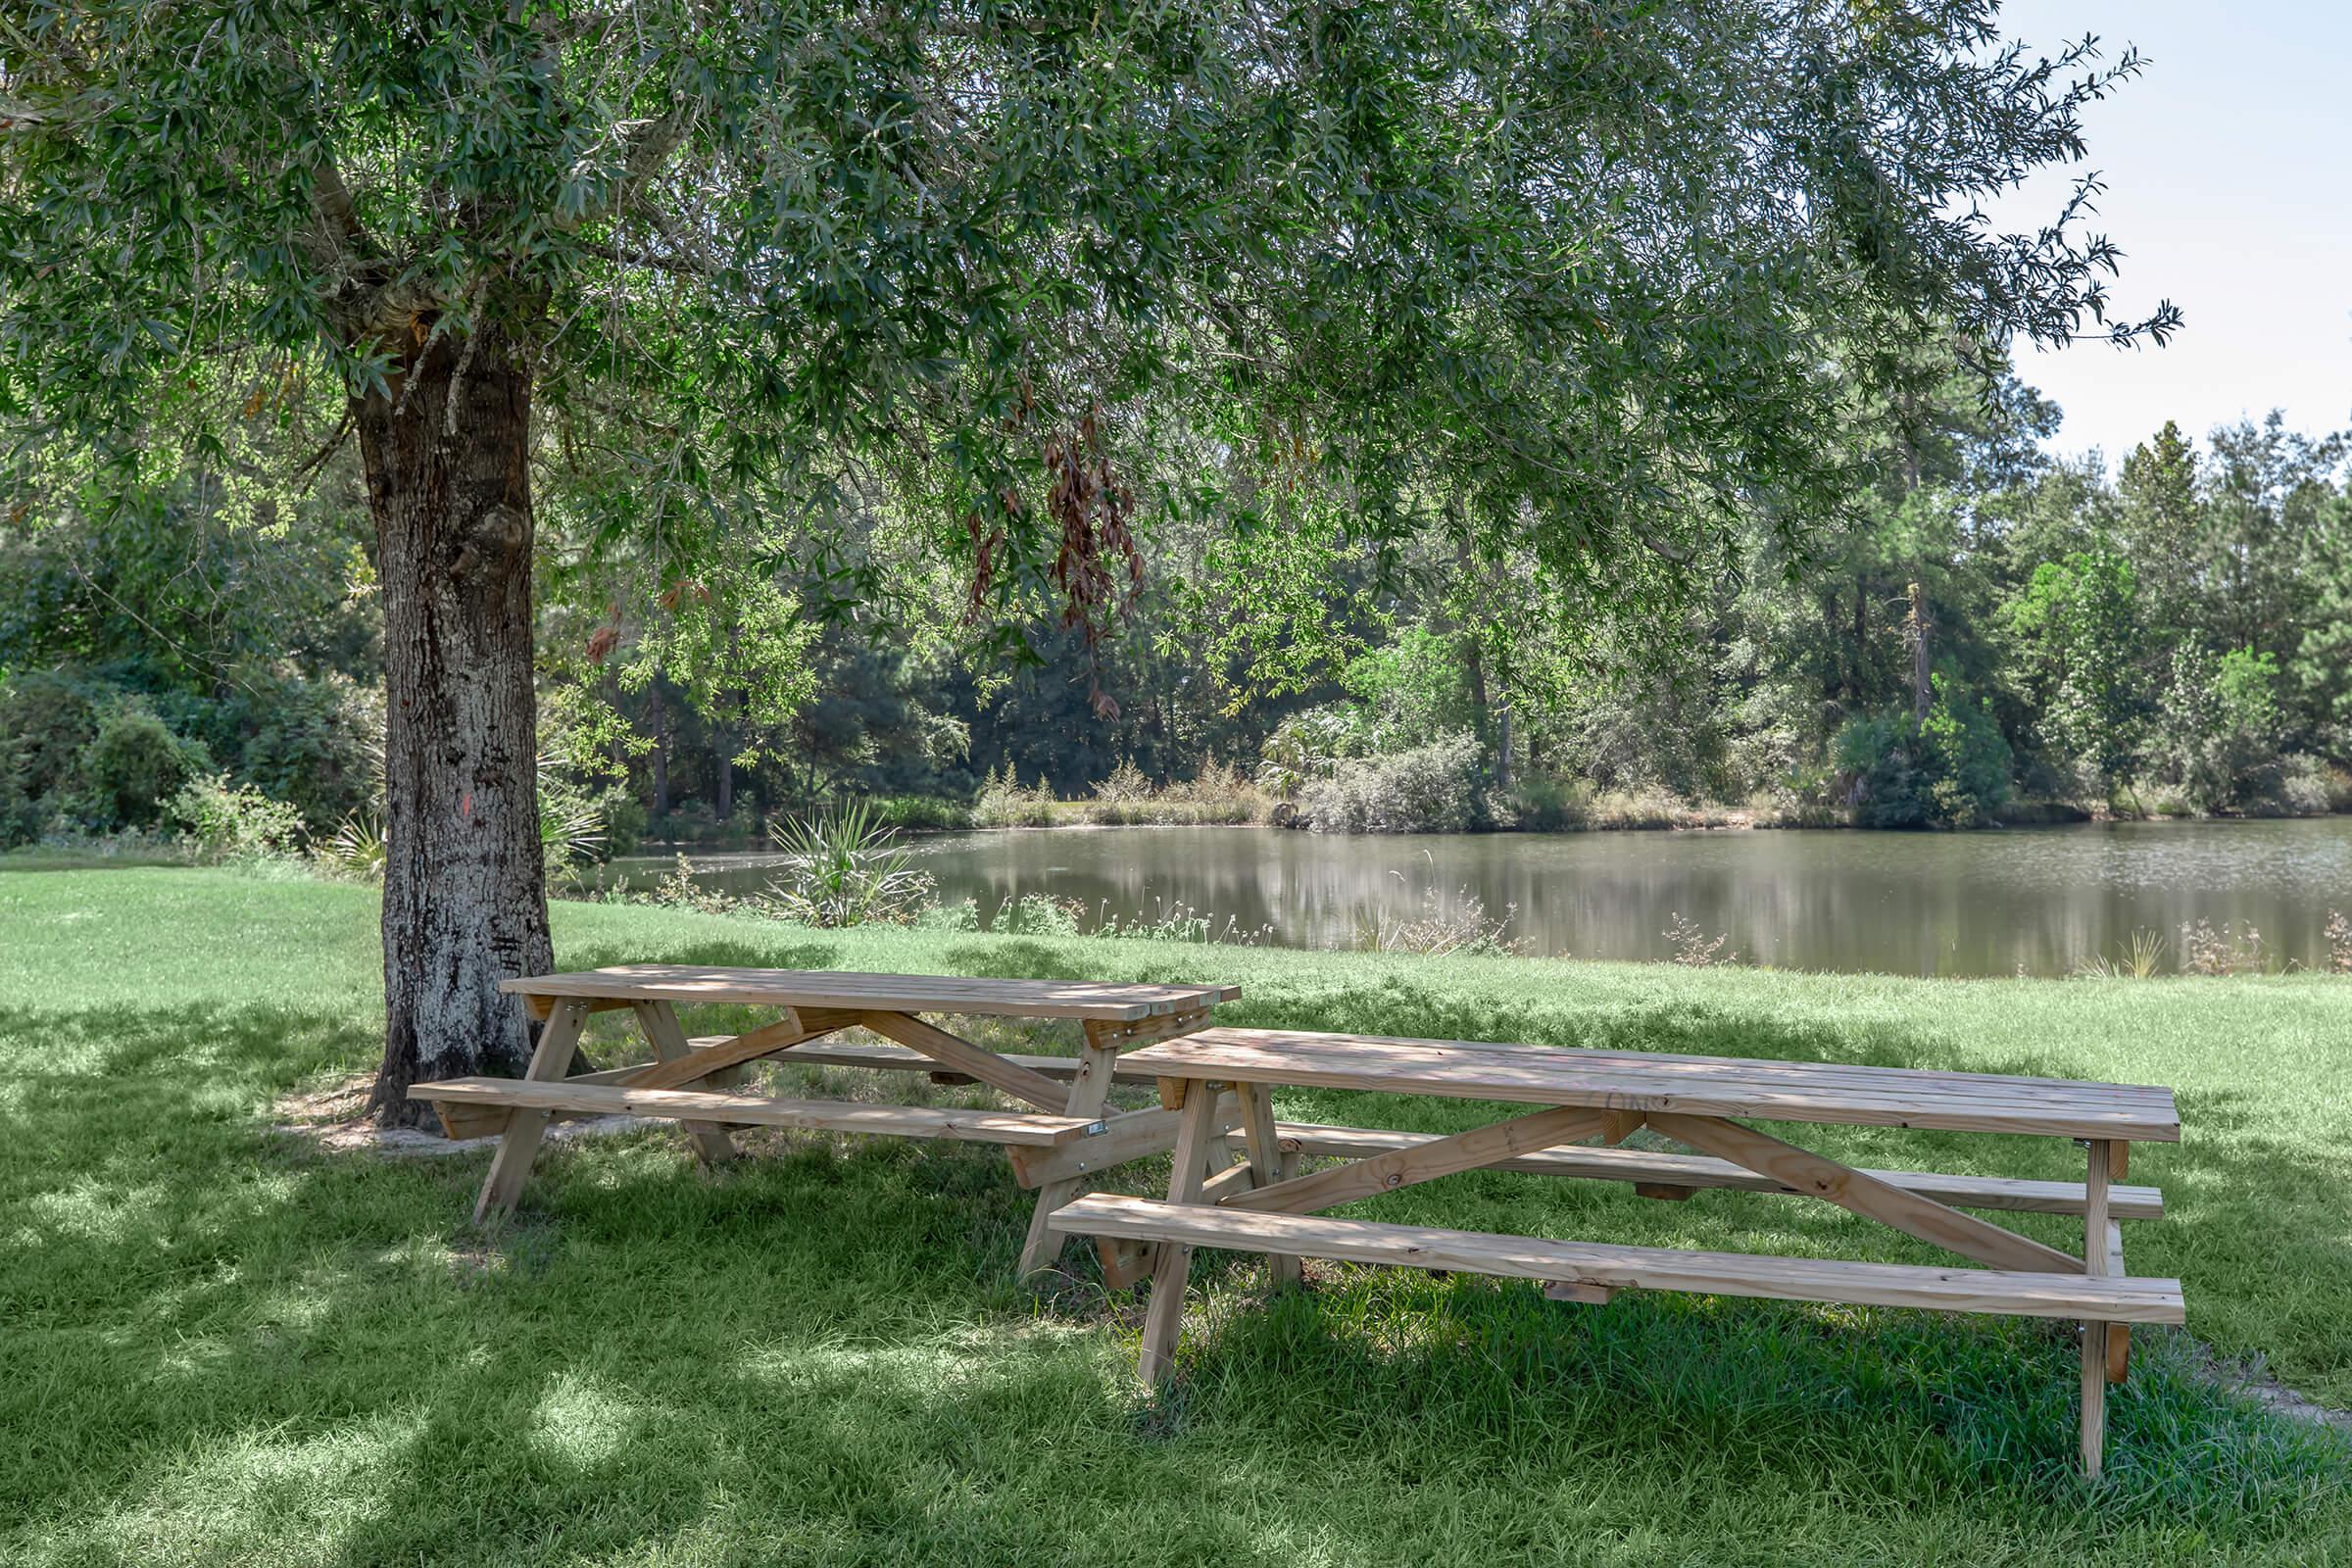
pixel 1219 1079
pixel 1056 1145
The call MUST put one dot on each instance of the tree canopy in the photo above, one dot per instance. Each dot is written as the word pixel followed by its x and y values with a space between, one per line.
pixel 1576 285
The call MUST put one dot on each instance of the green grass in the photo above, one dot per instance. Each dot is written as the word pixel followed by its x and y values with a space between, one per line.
pixel 221 1345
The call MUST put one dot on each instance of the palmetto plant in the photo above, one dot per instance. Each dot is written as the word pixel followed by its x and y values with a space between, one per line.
pixel 2140 959
pixel 357 849
pixel 847 867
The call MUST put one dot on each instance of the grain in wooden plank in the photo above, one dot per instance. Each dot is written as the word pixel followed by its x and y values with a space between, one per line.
pixel 660 1024
pixel 1268 1158
pixel 1665 1067
pixel 757 1110
pixel 1616 1081
pixel 790 988
pixel 1164 1317
pixel 2118 1335
pixel 1088 1091
pixel 511 1166
pixel 1619 1267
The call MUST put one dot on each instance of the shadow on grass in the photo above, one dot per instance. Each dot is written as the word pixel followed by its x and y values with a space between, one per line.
pixel 820 1353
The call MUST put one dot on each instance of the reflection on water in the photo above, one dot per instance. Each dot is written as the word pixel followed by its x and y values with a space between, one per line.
pixel 2037 900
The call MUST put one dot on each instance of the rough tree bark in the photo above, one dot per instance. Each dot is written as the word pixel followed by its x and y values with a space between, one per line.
pixel 447 458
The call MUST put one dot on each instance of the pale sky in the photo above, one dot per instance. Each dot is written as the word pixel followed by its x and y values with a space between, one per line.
pixel 2229 167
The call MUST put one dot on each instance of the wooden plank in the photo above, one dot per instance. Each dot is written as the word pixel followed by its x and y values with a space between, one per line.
pixel 757 1110
pixel 1266 1162
pixel 1699 1172
pixel 1088 1091
pixel 1818 1177
pixel 713 1144
pixel 1233 1178
pixel 511 1166
pixel 2094 1330
pixel 1441 1157
pixel 709 1055
pixel 460 1122
pixel 1710 1086
pixel 2118 1335
pixel 962 1056
pixel 1163 1318
pixel 1148 1031
pixel 892 993
pixel 1627 1268
pixel 2094 1211
pixel 898 1058
pixel 1129 1136
pixel 2094 1400
pixel 1576 1291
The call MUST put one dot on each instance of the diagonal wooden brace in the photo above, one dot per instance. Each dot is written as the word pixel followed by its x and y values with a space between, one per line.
pixel 962 1056
pixel 550 1058
pixel 1817 1176
pixel 662 1030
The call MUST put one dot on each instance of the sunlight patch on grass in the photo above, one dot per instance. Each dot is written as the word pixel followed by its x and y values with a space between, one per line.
pixel 582 1420
pixel 255 1496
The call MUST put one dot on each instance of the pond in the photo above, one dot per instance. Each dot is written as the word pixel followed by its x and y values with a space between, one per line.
pixel 2030 901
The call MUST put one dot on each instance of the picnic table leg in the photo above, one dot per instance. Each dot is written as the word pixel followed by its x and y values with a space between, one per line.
pixel 2095 1333
pixel 658 1022
pixel 511 1166
pixel 1269 1165
pixel 1090 1091
pixel 1170 1271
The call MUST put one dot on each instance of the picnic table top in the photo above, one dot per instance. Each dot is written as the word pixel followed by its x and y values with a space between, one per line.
pixel 1837 1093
pixel 887 992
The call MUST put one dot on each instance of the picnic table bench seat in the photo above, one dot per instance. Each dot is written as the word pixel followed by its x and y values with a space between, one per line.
pixel 1603 1267
pixel 1220 1077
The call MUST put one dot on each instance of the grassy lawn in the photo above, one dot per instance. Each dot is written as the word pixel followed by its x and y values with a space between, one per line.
pixel 223 1344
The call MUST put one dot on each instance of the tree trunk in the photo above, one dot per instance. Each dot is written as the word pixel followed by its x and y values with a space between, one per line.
pixel 1922 688
pixel 661 751
pixel 465 894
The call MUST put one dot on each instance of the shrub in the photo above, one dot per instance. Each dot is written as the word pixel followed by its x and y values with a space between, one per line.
pixel 1543 804
pixel 1038 914
pixel 1003 803
pixel 51 719
pixel 2220 730
pixel 1951 769
pixel 922 813
pixel 624 819
pixel 1437 930
pixel 2305 788
pixel 571 826
pixel 230 822
pixel 21 814
pixel 845 868
pixel 1308 745
pixel 1125 783
pixel 1429 789
pixel 132 768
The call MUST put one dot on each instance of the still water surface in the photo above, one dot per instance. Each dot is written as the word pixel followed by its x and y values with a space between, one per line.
pixel 2036 900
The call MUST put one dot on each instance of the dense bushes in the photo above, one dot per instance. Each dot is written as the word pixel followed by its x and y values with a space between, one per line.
pixel 1436 788
pixel 1950 769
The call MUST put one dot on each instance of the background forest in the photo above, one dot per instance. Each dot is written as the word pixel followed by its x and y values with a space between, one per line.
pixel 1985 634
